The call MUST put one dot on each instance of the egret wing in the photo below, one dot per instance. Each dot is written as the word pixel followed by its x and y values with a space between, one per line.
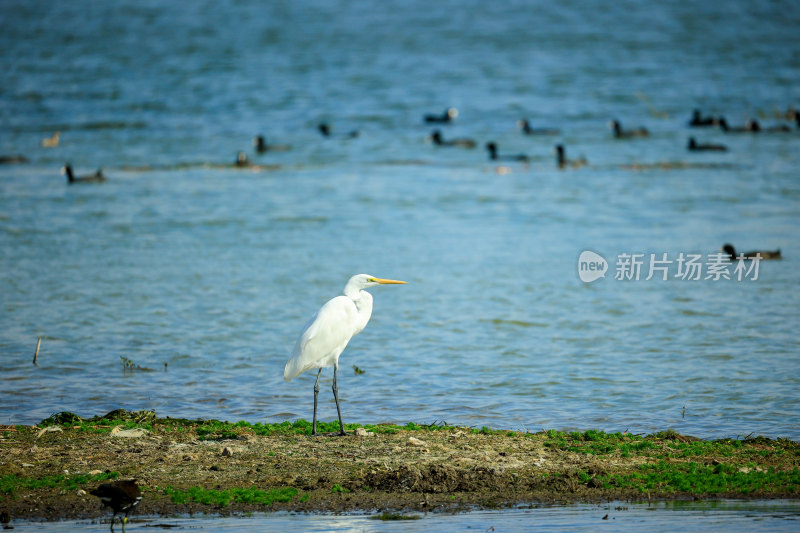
pixel 324 337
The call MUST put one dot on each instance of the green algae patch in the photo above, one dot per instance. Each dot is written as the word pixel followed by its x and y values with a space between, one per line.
pixel 224 498
pixel 12 483
pixel 696 478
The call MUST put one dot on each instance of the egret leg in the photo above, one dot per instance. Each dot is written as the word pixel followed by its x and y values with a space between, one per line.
pixel 316 393
pixel 336 397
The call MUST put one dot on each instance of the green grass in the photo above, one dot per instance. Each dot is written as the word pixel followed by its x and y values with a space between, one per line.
pixel 216 430
pixel 223 498
pixel 11 483
pixel 697 478
pixel 665 444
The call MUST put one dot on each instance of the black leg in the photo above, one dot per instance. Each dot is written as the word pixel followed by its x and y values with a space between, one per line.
pixel 316 393
pixel 336 397
pixel 113 517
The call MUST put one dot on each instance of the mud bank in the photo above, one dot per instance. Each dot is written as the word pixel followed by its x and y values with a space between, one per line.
pixel 186 466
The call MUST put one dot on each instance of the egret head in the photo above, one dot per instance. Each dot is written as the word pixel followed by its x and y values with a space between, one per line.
pixel 362 281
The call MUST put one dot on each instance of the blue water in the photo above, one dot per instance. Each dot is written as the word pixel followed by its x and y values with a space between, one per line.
pixel 726 515
pixel 182 259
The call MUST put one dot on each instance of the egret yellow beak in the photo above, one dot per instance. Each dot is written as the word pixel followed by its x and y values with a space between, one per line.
pixel 387 281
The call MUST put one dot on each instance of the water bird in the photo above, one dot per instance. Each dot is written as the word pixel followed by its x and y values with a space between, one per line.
pixel 731 251
pixel 694 146
pixel 751 126
pixel 525 126
pixel 97 177
pixel 448 116
pixel 51 142
pixel 619 133
pixel 778 128
pixel 8 159
pixel 241 160
pixel 326 335
pixel 494 156
pixel 563 162
pixel 260 142
pixel 122 496
pixel 325 130
pixel 437 139
pixel 699 121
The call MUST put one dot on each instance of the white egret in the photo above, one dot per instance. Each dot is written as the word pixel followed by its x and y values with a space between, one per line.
pixel 326 335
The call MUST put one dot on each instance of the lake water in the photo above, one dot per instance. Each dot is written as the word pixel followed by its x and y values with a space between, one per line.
pixel 726 515
pixel 181 259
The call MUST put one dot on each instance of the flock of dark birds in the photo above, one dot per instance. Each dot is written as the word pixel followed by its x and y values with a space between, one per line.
pixel 697 120
pixel 450 114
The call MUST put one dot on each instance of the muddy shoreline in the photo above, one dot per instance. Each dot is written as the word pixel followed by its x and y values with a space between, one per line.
pixel 202 467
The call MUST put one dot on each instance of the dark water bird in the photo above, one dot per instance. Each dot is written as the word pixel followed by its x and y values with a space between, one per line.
pixel 694 146
pixel 260 142
pixel 97 177
pixel 563 162
pixel 122 496
pixel 778 128
pixel 699 121
pixel 731 251
pixel 325 130
pixel 494 156
pixel 751 126
pixel 448 116
pixel 241 160
pixel 9 159
pixel 619 133
pixel 437 139
pixel 525 126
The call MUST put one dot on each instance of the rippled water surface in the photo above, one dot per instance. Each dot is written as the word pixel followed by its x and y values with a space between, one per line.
pixel 205 273
pixel 615 516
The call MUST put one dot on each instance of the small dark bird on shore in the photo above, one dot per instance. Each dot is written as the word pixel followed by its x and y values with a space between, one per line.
pixel 97 177
pixel 694 146
pixel 699 121
pixel 5 519
pixel 619 133
pixel 494 156
pixel 448 116
pixel 437 139
pixel 260 142
pixel 525 126
pixel 563 162
pixel 325 130
pixel 731 251
pixel 122 496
